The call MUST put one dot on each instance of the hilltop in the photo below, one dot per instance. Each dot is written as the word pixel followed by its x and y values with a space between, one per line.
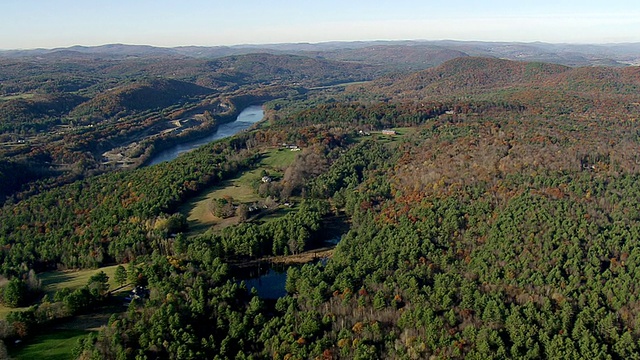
pixel 410 55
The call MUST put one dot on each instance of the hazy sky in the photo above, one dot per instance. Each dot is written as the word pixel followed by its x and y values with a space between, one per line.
pixel 55 23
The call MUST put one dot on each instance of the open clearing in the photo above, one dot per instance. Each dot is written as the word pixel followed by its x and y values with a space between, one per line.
pixel 277 159
pixel 59 342
pixel 198 212
pixel 53 281
pixel 241 189
pixel 16 96
pixel 57 345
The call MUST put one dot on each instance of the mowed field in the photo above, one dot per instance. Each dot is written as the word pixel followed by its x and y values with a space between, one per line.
pixel 59 342
pixel 57 345
pixel 16 96
pixel 241 189
pixel 53 281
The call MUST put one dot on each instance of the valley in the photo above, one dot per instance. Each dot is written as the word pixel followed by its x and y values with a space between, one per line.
pixel 485 207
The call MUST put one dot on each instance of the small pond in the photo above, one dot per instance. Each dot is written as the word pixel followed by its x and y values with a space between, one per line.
pixel 269 280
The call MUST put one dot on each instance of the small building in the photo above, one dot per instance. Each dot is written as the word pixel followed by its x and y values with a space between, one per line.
pixel 138 293
pixel 266 179
pixel 290 147
pixel 388 132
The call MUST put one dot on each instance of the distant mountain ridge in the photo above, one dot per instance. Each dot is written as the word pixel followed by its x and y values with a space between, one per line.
pixel 418 54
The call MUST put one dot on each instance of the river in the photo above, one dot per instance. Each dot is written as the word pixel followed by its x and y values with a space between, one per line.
pixel 245 119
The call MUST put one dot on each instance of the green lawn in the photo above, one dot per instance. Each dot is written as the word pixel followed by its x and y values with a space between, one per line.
pixel 278 159
pixel 53 281
pixel 389 140
pixel 17 96
pixel 278 213
pixel 197 210
pixel 240 189
pixel 56 345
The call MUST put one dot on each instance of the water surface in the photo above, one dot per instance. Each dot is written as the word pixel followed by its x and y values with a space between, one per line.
pixel 245 119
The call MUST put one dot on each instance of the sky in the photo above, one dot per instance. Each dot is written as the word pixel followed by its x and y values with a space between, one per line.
pixel 27 24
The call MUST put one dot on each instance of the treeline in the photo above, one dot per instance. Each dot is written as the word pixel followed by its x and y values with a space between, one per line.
pixel 286 235
pixel 63 304
pixel 112 217
pixel 195 310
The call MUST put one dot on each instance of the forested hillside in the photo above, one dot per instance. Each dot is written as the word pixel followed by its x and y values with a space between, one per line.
pixel 61 112
pixel 140 96
pixel 499 219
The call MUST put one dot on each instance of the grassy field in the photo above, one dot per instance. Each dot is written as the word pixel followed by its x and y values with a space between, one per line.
pixel 277 159
pixel 198 212
pixel 53 281
pixel 58 343
pixel 53 346
pixel 17 96
pixel 389 140
pixel 240 189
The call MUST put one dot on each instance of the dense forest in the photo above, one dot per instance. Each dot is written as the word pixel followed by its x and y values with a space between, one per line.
pixel 498 219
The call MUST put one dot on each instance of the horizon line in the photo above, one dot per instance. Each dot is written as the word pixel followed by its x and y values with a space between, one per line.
pixel 319 43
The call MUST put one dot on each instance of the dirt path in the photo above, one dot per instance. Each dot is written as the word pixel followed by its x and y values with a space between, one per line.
pixel 301 258
pixel 304 257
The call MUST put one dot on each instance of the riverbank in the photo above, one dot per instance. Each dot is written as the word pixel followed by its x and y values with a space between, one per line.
pixel 223 128
pixel 181 128
pixel 161 144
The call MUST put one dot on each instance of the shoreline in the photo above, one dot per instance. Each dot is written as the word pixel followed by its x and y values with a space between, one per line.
pixel 301 258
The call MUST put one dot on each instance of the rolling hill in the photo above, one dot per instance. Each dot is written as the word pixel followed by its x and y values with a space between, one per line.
pixel 497 79
pixel 35 113
pixel 139 96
